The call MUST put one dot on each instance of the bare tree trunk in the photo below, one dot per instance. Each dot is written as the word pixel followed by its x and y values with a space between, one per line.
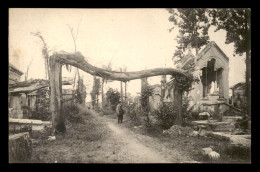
pixel 125 92
pixel 56 96
pixel 102 92
pixel 248 82
pixel 178 104
pixel 121 91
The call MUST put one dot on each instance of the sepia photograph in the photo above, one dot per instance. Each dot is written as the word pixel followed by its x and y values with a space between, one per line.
pixel 129 85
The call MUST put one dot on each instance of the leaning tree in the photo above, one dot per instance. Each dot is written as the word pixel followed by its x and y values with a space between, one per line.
pixel 78 60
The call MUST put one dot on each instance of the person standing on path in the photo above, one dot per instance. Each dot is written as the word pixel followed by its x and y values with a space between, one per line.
pixel 119 112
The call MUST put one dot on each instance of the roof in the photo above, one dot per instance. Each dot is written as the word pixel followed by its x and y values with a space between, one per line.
pixel 189 58
pixel 16 69
pixel 32 85
pixel 28 86
pixel 237 85
pixel 207 48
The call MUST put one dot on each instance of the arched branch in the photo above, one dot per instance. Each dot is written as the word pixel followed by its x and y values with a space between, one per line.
pixel 78 60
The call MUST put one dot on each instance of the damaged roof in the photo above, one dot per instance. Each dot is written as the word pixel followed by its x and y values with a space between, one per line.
pixel 34 84
pixel 189 58
pixel 12 67
pixel 28 86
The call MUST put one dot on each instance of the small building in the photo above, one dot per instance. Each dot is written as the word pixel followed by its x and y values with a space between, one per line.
pixel 26 94
pixel 212 70
pixel 238 97
pixel 32 95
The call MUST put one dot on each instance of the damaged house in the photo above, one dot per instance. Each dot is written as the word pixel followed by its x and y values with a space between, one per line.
pixel 27 98
pixel 212 69
pixel 26 95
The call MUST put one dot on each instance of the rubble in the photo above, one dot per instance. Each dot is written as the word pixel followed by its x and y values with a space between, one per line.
pixel 206 151
pixel 202 132
pixel 214 155
pixel 236 140
pixel 177 130
pixel 210 153
pixel 194 133
pixel 52 138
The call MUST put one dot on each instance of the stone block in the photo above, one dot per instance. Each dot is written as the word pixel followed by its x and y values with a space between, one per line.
pixel 214 155
pixel 219 135
pixel 20 148
pixel 206 151
pixel 202 132
pixel 231 118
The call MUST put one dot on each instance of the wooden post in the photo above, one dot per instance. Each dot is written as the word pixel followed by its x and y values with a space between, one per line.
pixel 56 96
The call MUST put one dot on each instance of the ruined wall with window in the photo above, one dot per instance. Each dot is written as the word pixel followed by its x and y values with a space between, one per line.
pixel 212 68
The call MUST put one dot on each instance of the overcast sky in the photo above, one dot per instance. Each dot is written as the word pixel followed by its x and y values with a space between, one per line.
pixel 134 38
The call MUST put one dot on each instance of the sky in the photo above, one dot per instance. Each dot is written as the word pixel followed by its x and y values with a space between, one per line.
pixel 135 39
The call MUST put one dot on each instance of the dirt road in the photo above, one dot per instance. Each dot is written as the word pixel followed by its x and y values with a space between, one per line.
pixel 100 139
pixel 137 148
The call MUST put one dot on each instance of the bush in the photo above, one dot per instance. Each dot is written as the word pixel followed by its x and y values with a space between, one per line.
pixel 107 111
pixel 166 114
pixel 72 113
pixel 132 112
pixel 238 152
pixel 41 111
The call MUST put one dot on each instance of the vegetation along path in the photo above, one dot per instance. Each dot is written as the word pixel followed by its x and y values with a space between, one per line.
pixel 101 139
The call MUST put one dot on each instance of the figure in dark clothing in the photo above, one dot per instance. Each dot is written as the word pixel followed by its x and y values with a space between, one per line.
pixel 120 112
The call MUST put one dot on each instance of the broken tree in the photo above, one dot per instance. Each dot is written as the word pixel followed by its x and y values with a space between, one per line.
pixel 78 60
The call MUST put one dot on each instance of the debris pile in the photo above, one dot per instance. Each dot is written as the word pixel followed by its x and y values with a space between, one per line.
pixel 210 153
pixel 177 130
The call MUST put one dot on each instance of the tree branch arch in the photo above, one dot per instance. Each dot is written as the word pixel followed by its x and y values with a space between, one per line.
pixel 78 60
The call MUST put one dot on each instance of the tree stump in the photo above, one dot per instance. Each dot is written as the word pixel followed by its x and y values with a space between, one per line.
pixel 20 148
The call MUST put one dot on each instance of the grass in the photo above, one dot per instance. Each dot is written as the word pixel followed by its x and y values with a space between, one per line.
pixel 192 145
pixel 83 138
pixel 87 140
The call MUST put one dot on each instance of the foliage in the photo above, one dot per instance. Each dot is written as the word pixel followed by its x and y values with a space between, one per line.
pixel 81 92
pixel 238 152
pixel 95 91
pixel 145 94
pixel 72 113
pixel 113 96
pixel 44 53
pixel 42 111
pixel 183 83
pixel 131 110
pixel 237 23
pixel 166 115
pixel 193 26
pixel 186 113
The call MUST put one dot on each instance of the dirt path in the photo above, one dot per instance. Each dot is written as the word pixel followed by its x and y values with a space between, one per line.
pixel 100 139
pixel 136 148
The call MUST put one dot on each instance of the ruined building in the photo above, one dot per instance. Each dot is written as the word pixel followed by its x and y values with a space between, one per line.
pixel 212 69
